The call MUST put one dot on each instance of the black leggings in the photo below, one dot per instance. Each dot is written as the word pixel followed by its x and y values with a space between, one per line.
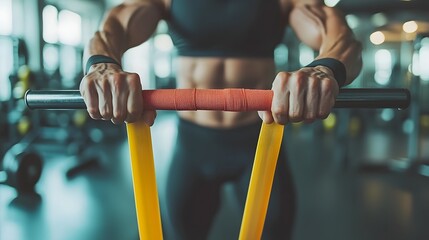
pixel 204 160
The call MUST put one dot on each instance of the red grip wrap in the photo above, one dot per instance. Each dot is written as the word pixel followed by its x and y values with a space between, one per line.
pixel 230 99
pixel 258 100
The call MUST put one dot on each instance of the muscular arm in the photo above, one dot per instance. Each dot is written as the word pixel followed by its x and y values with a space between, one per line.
pixel 124 27
pixel 325 29
pixel 310 92
pixel 109 92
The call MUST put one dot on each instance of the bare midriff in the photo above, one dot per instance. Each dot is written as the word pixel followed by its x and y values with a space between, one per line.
pixel 219 73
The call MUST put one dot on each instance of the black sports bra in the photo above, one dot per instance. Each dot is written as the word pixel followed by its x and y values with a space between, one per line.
pixel 226 28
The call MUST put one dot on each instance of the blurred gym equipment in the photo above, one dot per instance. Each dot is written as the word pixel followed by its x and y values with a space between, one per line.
pixel 21 166
pixel 20 163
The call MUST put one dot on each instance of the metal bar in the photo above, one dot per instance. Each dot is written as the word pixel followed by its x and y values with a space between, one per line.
pixel 347 98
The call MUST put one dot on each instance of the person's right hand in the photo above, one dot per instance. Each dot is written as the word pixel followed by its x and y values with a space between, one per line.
pixel 115 95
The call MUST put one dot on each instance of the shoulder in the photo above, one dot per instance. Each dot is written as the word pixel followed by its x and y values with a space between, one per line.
pixel 287 6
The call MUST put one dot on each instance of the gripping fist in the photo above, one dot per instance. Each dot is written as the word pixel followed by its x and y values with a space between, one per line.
pixel 115 95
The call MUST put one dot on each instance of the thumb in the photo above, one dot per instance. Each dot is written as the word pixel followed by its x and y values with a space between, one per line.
pixel 266 116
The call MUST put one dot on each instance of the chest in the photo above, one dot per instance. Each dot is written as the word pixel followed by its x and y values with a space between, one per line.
pixel 225 19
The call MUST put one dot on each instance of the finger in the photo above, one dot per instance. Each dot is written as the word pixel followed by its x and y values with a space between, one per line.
pixel 297 97
pixel 266 116
pixel 104 99
pixel 280 103
pixel 312 100
pixel 119 99
pixel 135 99
pixel 90 96
pixel 149 117
pixel 327 97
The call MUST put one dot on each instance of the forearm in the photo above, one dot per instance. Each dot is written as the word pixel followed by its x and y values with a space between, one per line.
pixel 125 26
pixel 325 29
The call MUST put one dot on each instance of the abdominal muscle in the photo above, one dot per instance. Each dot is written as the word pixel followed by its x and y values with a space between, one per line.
pixel 219 73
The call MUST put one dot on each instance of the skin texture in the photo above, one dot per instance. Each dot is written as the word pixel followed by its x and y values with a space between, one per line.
pixel 303 95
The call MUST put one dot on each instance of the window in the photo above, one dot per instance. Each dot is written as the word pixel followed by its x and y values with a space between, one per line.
pixel 64 26
pixel 50 24
pixel 62 33
pixel 6 48
pixel 69 28
pixel 5 17
pixel 6 66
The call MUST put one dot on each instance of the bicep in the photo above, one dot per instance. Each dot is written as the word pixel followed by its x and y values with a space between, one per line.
pixel 308 23
pixel 134 20
pixel 317 23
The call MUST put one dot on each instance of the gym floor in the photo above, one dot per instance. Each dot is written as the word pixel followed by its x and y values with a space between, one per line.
pixel 339 197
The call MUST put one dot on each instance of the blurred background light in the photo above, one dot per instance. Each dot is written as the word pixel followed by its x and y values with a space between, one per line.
pixel 69 28
pixel 306 55
pixel 387 114
pixel 330 122
pixel 408 126
pixel 415 65
pixel 352 21
pixel 383 66
pixel 379 19
pixel 281 54
pixel 424 60
pixel 163 42
pixel 331 3
pixel 50 24
pixel 410 27
pixel 377 37
pixel 51 58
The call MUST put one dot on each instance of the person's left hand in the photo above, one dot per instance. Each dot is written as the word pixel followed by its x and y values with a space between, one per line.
pixel 304 95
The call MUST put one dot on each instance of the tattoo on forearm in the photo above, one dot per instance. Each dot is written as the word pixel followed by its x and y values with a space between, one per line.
pixel 103 68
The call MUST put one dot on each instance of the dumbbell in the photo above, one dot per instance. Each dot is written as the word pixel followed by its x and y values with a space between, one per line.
pixel 21 168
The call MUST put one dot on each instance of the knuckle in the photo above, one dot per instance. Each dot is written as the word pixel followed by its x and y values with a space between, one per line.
pixel 133 77
pixel 327 84
pixel 134 84
pixel 116 81
pixel 300 80
pixel 299 75
pixel 85 84
pixel 282 75
pixel 117 75
pixel 313 84
pixel 281 80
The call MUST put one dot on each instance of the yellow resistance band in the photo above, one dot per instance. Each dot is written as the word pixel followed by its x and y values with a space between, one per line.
pixel 261 180
pixel 146 194
pixel 144 181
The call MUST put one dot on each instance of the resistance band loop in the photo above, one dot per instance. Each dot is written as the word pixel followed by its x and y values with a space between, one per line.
pixel 261 180
pixel 144 181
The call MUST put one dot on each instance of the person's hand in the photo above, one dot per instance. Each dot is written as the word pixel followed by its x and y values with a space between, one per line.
pixel 305 95
pixel 115 95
